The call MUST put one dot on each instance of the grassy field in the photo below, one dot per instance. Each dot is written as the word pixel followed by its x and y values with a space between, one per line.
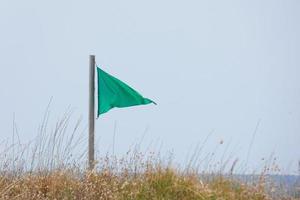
pixel 47 169
pixel 154 183
pixel 143 180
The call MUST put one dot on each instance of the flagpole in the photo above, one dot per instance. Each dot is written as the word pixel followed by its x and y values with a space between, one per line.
pixel 91 152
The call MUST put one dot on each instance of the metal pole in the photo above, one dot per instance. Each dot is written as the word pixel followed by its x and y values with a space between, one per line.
pixel 92 113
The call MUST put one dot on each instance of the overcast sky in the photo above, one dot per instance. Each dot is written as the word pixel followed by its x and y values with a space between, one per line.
pixel 212 66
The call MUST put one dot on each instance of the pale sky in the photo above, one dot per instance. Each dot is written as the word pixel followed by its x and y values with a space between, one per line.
pixel 216 66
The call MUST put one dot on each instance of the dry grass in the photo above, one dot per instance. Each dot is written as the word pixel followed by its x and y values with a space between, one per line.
pixel 47 169
pixel 128 179
pixel 153 183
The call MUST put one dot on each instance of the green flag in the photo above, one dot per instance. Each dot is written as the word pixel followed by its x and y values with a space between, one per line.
pixel 114 93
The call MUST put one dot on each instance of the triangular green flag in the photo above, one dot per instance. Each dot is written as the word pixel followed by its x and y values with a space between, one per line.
pixel 114 93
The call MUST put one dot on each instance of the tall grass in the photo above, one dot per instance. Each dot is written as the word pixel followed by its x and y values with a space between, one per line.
pixel 53 166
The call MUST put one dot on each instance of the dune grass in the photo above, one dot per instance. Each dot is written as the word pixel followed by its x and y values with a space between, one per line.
pixel 155 182
pixel 48 168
